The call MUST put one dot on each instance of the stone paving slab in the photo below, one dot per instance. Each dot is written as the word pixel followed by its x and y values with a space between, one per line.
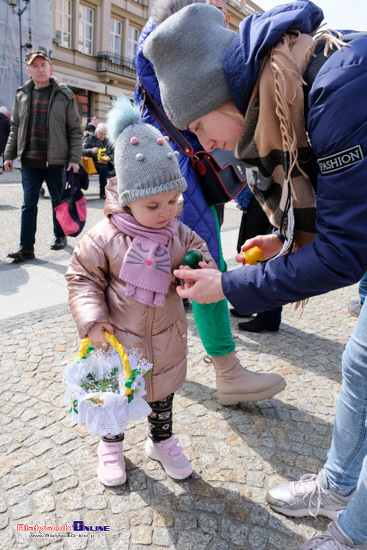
pixel 48 464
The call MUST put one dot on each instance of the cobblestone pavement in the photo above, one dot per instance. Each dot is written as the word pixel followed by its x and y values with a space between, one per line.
pixel 48 465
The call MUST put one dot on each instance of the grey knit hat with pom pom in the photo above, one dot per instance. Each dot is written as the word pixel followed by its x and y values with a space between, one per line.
pixel 145 163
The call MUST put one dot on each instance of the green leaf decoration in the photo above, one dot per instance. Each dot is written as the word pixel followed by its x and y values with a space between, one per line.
pixel 74 404
pixel 110 383
pixel 89 351
pixel 129 382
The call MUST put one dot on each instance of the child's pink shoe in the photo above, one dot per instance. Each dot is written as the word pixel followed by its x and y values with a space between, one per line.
pixel 169 453
pixel 111 469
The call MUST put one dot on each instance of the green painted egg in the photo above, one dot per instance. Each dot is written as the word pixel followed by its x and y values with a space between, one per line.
pixel 192 259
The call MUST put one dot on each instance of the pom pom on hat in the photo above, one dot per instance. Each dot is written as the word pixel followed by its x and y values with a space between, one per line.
pixel 122 114
pixel 145 163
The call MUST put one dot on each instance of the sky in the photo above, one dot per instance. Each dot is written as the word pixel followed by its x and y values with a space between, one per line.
pixel 339 14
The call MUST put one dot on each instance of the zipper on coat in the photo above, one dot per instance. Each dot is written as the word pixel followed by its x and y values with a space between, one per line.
pixel 148 347
pixel 52 97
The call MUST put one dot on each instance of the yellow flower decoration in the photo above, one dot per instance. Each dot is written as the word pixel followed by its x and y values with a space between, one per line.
pixel 84 345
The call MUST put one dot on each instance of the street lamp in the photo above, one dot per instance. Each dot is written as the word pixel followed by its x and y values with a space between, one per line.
pixel 19 12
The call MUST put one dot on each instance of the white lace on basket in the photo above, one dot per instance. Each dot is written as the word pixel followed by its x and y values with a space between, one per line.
pixel 108 412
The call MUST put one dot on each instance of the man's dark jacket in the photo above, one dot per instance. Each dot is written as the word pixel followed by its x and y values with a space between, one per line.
pixel 64 130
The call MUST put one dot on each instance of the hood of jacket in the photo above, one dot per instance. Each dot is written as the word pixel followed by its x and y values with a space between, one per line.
pixel 258 34
pixel 112 204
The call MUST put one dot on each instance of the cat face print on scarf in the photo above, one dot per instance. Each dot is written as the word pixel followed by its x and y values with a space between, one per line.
pixel 146 268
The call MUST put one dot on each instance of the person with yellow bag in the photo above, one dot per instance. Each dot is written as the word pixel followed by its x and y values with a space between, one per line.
pixel 100 150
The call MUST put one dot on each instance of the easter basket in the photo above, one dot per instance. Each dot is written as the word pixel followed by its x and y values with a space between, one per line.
pixel 102 158
pixel 105 388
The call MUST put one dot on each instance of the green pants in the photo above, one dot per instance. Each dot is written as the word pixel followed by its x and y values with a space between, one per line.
pixel 212 320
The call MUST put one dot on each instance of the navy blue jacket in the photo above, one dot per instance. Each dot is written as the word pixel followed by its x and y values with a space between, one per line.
pixel 196 213
pixel 337 126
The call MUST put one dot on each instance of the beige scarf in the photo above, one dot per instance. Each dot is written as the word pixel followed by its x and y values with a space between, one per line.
pixel 274 140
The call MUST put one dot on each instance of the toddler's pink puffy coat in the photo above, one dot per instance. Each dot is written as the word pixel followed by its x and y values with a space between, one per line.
pixel 97 294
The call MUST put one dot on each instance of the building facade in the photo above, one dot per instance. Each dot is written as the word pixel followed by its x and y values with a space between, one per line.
pixel 24 25
pixel 94 45
pixel 91 43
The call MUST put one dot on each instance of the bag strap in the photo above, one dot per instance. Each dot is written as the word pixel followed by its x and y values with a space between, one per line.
pixel 173 132
pixel 72 179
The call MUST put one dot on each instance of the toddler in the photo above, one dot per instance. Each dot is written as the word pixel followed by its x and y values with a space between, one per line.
pixel 120 280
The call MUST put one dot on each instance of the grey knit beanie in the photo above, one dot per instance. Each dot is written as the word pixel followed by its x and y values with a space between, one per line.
pixel 145 163
pixel 186 51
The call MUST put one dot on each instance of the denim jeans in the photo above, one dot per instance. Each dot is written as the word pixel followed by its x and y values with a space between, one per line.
pixel 346 465
pixel 363 288
pixel 32 179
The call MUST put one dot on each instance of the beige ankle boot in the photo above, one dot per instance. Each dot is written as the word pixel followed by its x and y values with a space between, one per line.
pixel 236 384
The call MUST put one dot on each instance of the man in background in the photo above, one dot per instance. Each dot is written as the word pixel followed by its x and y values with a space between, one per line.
pixel 222 6
pixel 4 129
pixel 46 135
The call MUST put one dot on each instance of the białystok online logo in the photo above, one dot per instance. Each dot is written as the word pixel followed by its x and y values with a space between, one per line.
pixel 45 530
pixel 79 526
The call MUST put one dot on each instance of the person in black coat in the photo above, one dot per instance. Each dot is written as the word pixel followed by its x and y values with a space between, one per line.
pixel 4 129
pixel 92 144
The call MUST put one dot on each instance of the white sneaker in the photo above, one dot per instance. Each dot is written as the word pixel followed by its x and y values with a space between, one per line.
pixel 334 538
pixel 111 468
pixel 310 496
pixel 169 453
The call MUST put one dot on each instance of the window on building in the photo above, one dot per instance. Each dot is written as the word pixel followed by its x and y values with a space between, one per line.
pixel 63 22
pixel 85 37
pixel 132 41
pixel 115 39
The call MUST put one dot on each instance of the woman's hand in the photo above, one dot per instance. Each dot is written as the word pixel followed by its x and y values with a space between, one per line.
pixel 96 333
pixel 202 285
pixel 270 245
pixel 185 282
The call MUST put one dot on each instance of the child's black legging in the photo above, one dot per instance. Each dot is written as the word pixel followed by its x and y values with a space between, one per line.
pixel 159 422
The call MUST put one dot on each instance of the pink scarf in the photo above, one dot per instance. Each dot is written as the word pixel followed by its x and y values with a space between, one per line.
pixel 146 267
